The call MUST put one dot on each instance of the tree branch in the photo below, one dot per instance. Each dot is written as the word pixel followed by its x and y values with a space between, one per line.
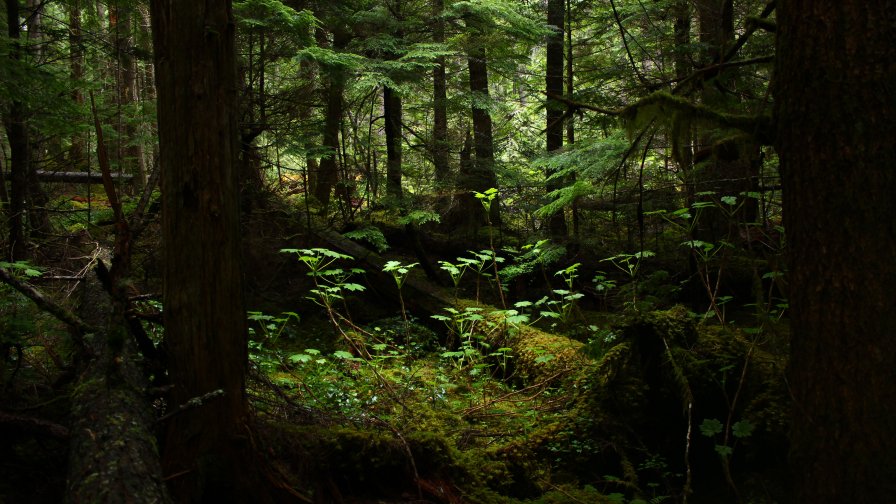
pixel 47 305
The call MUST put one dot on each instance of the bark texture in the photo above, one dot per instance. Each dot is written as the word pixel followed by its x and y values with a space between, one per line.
pixel 205 318
pixel 553 108
pixel 834 80
pixel 441 147
pixel 112 455
pixel 392 108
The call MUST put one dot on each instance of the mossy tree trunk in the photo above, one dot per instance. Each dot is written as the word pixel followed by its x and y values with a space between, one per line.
pixel 112 454
pixel 205 317
pixel 728 166
pixel 835 75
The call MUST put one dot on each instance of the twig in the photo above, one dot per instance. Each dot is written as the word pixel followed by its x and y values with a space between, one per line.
pixel 48 305
pixel 195 402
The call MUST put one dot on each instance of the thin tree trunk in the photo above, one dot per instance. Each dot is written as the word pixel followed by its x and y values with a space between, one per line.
pixel 328 170
pixel 392 112
pixel 733 166
pixel 553 108
pixel 570 121
pixel 77 150
pixel 440 142
pixel 131 151
pixel 17 134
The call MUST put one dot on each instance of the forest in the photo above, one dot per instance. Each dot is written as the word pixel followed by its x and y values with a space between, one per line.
pixel 448 251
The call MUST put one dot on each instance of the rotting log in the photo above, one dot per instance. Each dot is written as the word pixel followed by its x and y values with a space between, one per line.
pixel 79 177
pixel 113 456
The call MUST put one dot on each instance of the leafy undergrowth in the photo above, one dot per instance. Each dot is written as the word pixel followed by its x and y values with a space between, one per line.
pixel 654 408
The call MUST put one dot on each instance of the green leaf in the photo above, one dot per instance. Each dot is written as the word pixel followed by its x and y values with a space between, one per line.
pixel 711 426
pixel 342 354
pixel 742 429
pixel 729 200
pixel 724 451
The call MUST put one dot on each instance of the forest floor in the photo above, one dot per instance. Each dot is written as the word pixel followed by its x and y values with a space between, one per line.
pixel 362 392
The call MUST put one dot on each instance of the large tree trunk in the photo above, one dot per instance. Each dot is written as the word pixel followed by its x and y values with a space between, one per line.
pixel 205 318
pixel 835 73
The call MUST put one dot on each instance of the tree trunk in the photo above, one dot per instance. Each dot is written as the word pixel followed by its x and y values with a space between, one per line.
pixel 733 166
pixel 130 152
pixel 392 112
pixel 17 134
pixel 77 150
pixel 570 121
pixel 205 317
pixel 835 73
pixel 328 170
pixel 440 142
pixel 553 108
pixel 483 176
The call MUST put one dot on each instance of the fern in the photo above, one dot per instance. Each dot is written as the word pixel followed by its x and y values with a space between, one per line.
pixel 370 234
pixel 565 196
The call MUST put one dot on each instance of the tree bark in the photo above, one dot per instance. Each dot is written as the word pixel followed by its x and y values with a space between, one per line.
pixel 328 169
pixel 733 168
pixel 112 454
pixel 483 176
pixel 440 142
pixel 835 73
pixel 129 152
pixel 17 135
pixel 392 112
pixel 205 324
pixel 77 150
pixel 553 108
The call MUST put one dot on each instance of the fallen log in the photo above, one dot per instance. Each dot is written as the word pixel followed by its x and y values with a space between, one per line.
pixel 80 177
pixel 112 455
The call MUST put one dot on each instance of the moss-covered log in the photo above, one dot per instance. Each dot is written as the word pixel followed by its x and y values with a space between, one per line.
pixel 113 456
